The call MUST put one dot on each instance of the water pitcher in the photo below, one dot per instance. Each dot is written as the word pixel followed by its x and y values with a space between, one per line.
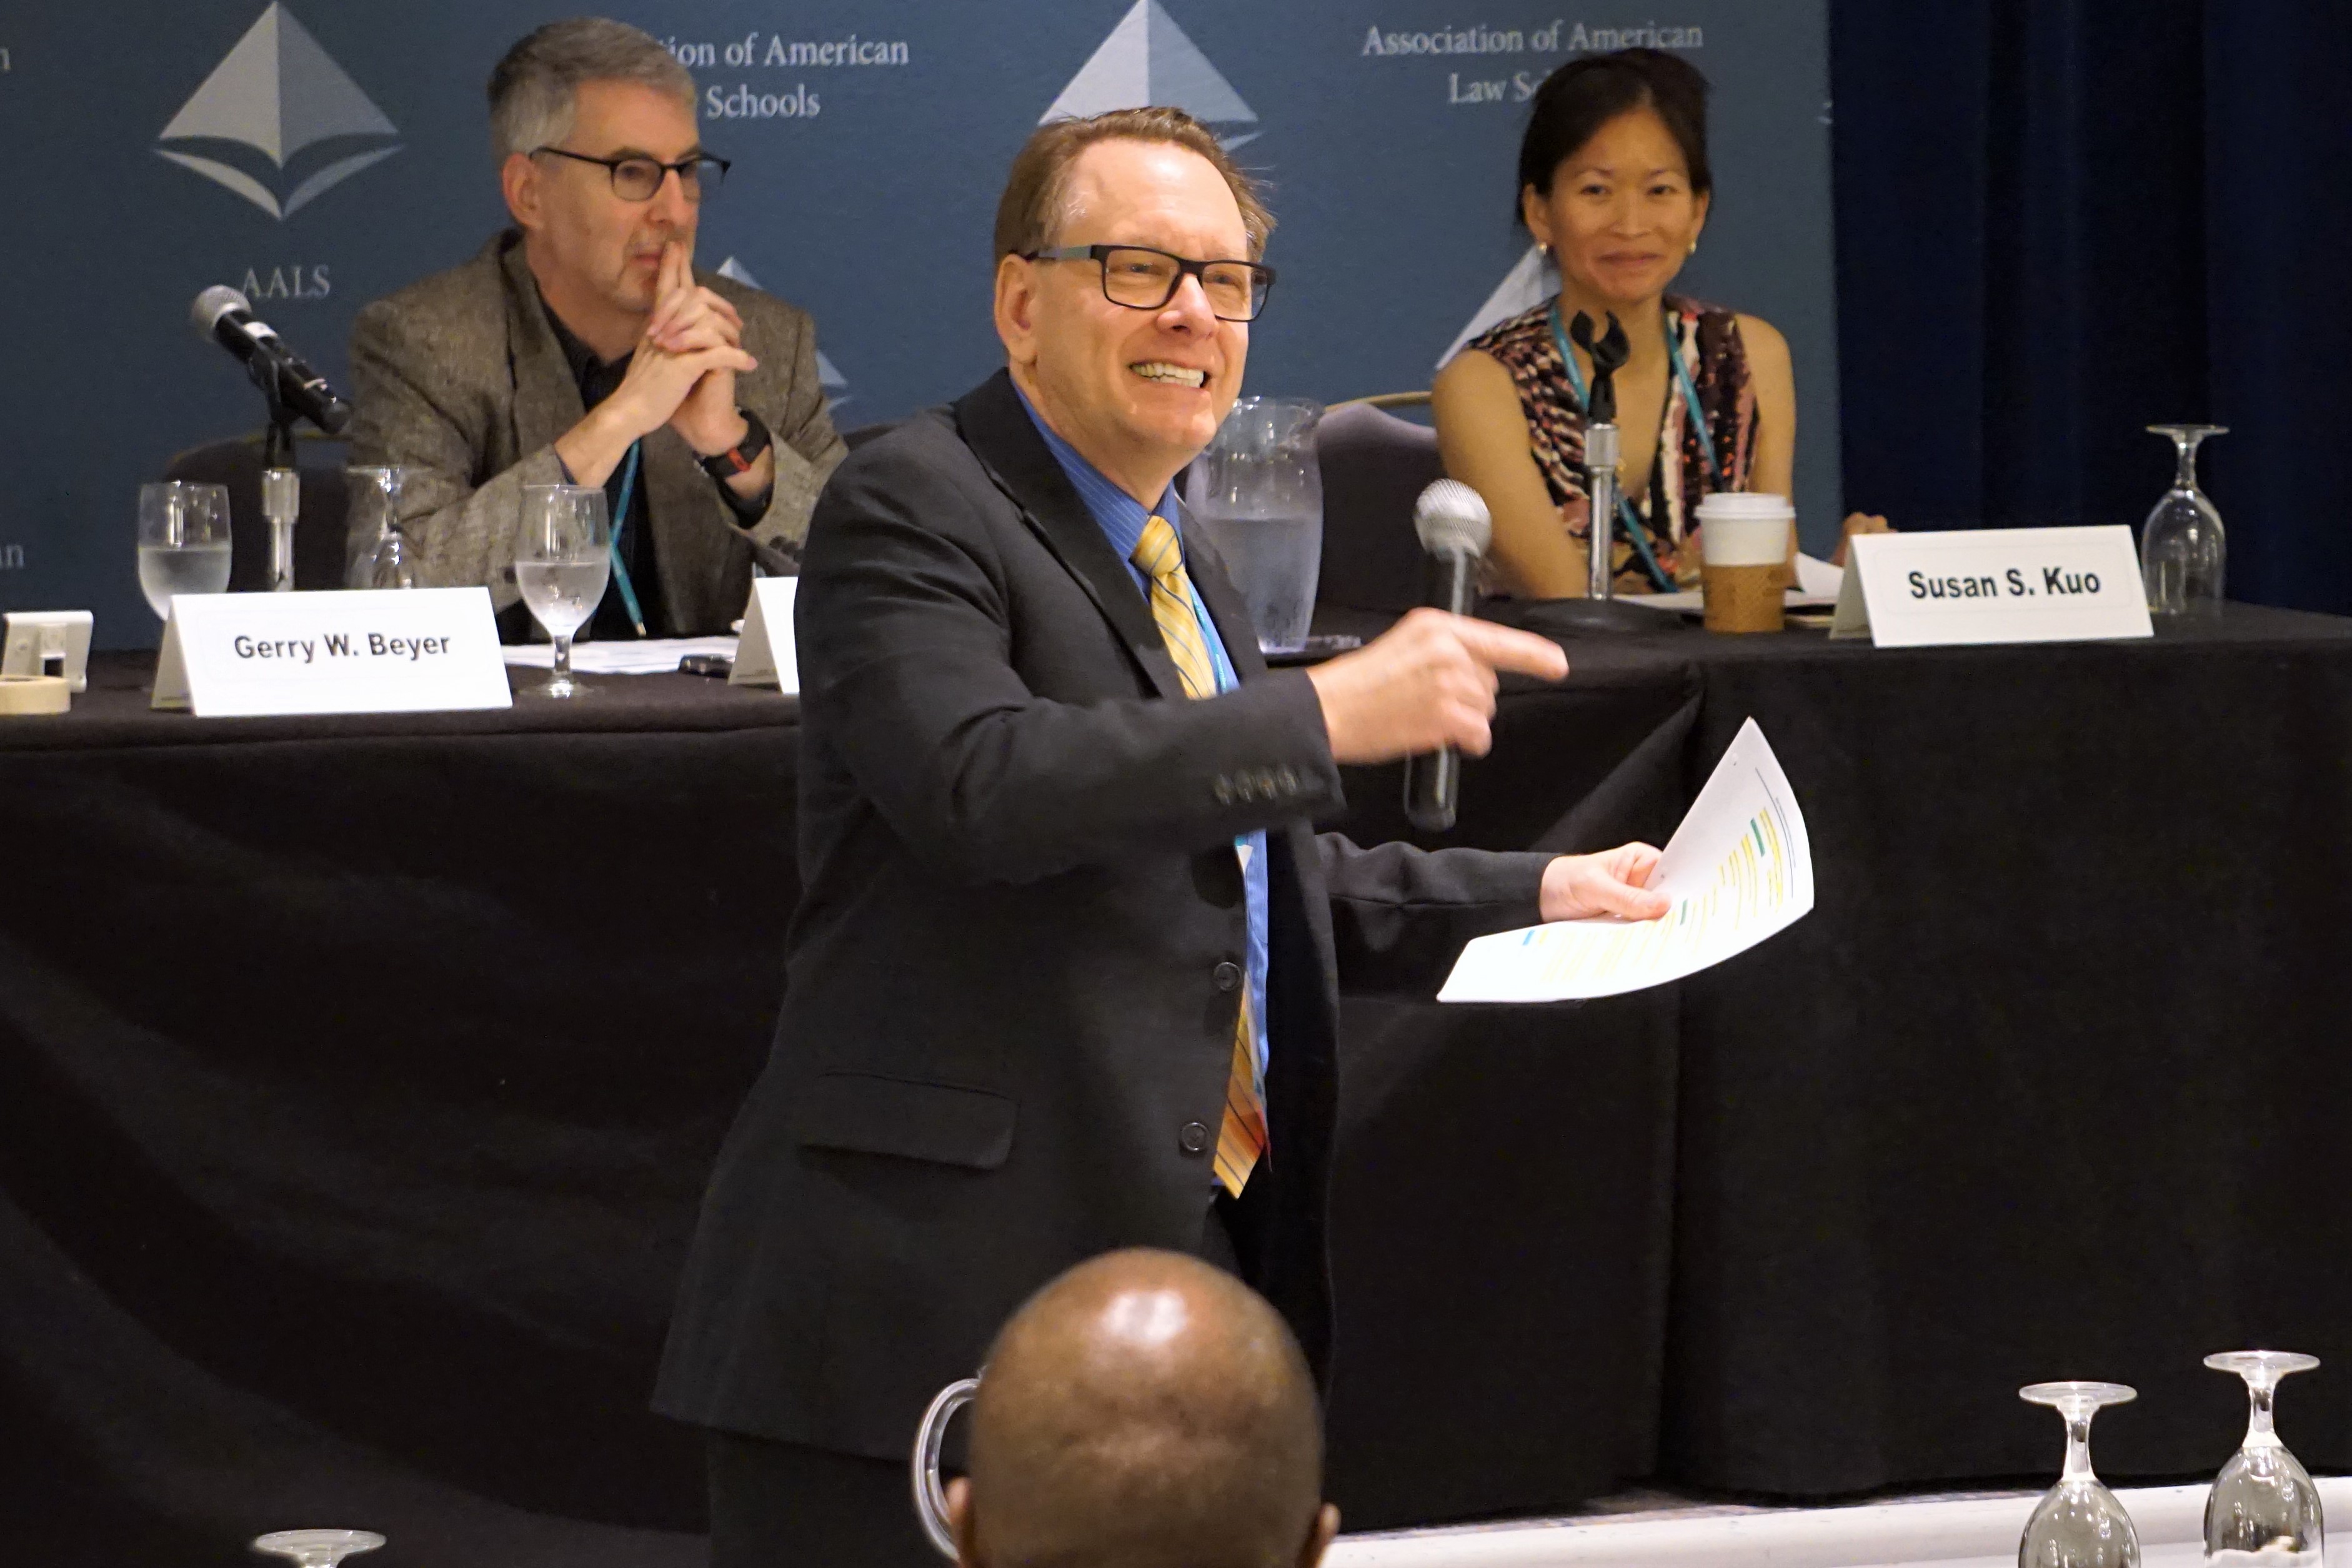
pixel 1258 491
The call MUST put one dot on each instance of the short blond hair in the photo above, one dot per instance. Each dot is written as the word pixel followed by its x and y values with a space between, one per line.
pixel 1036 197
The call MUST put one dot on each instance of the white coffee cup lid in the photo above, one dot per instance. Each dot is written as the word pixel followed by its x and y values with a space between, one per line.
pixel 1737 504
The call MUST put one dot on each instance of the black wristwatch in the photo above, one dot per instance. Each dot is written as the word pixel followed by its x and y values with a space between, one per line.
pixel 725 465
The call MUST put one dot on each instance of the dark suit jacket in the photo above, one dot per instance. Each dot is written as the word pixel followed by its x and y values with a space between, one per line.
pixel 1013 974
pixel 460 378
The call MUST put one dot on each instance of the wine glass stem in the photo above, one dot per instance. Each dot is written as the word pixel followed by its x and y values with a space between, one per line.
pixel 2262 1401
pixel 2185 478
pixel 563 656
pixel 2078 1447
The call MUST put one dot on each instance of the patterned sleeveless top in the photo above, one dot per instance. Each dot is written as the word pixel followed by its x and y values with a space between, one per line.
pixel 1707 337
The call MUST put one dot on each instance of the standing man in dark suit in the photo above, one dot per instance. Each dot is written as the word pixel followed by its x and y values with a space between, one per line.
pixel 1065 976
pixel 582 348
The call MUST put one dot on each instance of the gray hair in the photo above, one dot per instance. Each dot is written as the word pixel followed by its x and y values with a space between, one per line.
pixel 535 87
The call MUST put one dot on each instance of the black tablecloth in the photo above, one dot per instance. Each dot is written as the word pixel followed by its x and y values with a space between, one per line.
pixel 358 1079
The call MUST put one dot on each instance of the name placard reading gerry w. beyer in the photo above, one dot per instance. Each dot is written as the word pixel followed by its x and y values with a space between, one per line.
pixel 1992 585
pixel 415 650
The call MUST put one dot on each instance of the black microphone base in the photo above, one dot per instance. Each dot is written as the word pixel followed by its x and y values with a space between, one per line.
pixel 1587 617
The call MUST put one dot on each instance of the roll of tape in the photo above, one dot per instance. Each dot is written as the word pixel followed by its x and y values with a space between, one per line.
pixel 34 694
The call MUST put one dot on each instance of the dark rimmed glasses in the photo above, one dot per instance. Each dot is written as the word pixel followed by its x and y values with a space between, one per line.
pixel 1144 279
pixel 637 179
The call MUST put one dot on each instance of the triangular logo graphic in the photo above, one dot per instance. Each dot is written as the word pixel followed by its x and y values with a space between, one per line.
pixel 835 384
pixel 1147 59
pixel 279 94
pixel 1525 287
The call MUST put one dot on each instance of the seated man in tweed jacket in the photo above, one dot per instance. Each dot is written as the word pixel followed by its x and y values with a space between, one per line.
pixel 580 347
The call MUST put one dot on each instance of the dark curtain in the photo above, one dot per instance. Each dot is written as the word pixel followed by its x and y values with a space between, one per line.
pixel 2061 221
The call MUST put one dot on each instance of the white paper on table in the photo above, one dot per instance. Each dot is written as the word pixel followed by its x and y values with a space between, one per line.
pixel 634 657
pixel 1817 589
pixel 1739 868
pixel 1818 578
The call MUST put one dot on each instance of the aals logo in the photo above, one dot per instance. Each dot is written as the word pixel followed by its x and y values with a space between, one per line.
pixel 278 96
pixel 1147 59
pixel 835 385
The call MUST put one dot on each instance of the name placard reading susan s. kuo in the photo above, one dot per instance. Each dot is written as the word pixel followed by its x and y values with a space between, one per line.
pixel 1993 585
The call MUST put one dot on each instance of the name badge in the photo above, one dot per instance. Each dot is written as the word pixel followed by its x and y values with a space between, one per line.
pixel 1992 585
pixel 766 656
pixel 386 651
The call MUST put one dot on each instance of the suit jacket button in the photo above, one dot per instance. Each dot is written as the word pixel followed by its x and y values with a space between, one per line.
pixel 1288 780
pixel 1228 976
pixel 1192 1137
pixel 1225 791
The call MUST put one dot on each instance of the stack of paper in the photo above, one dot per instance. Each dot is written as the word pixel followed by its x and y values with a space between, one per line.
pixel 1739 868
pixel 636 656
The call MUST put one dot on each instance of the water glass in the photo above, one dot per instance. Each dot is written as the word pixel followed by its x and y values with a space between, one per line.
pixel 2078 1523
pixel 2263 1511
pixel 564 557
pixel 1258 493
pixel 184 546
pixel 380 554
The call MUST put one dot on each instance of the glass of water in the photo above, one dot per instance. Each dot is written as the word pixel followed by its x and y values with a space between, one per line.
pixel 183 541
pixel 563 555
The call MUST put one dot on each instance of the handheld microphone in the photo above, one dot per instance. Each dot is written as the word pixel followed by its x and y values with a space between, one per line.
pixel 225 316
pixel 1454 528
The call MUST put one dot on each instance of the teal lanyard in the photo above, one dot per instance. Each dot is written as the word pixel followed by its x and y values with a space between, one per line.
pixel 1633 519
pixel 621 520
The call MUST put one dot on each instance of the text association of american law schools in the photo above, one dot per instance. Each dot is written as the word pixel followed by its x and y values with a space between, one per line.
pixel 1557 39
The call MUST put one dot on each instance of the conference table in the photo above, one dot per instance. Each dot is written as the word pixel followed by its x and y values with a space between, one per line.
pixel 358 1078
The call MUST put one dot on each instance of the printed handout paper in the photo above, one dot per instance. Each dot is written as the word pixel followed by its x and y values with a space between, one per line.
pixel 1739 868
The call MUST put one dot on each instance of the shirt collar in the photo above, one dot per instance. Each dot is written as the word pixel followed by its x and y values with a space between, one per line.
pixel 1120 514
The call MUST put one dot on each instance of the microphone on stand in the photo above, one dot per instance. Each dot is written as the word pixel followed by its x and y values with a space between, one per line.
pixel 1454 528
pixel 225 316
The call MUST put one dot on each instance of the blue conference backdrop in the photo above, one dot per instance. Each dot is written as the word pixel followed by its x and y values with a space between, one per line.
pixel 319 154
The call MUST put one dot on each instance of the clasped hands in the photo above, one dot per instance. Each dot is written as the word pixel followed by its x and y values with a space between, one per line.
pixel 681 374
pixel 1430 682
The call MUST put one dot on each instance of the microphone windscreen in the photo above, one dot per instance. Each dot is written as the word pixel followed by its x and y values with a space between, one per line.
pixel 1452 519
pixel 214 303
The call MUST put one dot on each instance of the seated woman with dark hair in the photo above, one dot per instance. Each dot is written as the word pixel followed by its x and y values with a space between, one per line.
pixel 1614 183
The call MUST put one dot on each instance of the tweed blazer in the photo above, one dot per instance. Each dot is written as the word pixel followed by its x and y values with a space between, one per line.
pixel 460 378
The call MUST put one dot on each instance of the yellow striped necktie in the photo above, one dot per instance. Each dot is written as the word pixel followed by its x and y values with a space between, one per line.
pixel 1241 1139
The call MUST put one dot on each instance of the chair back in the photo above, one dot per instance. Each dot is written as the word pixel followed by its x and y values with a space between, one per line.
pixel 1375 465
pixel 319 548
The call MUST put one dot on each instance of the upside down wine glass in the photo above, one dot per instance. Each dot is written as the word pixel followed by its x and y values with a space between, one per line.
pixel 316 1548
pixel 2263 1510
pixel 2182 552
pixel 2078 1523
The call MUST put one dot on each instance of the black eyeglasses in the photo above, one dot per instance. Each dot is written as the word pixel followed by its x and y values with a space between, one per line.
pixel 1145 279
pixel 637 179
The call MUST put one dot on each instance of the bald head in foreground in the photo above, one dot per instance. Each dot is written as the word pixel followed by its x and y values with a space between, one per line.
pixel 1145 1410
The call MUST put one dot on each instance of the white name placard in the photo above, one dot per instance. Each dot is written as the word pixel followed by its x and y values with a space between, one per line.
pixel 1992 585
pixel 767 655
pixel 384 651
